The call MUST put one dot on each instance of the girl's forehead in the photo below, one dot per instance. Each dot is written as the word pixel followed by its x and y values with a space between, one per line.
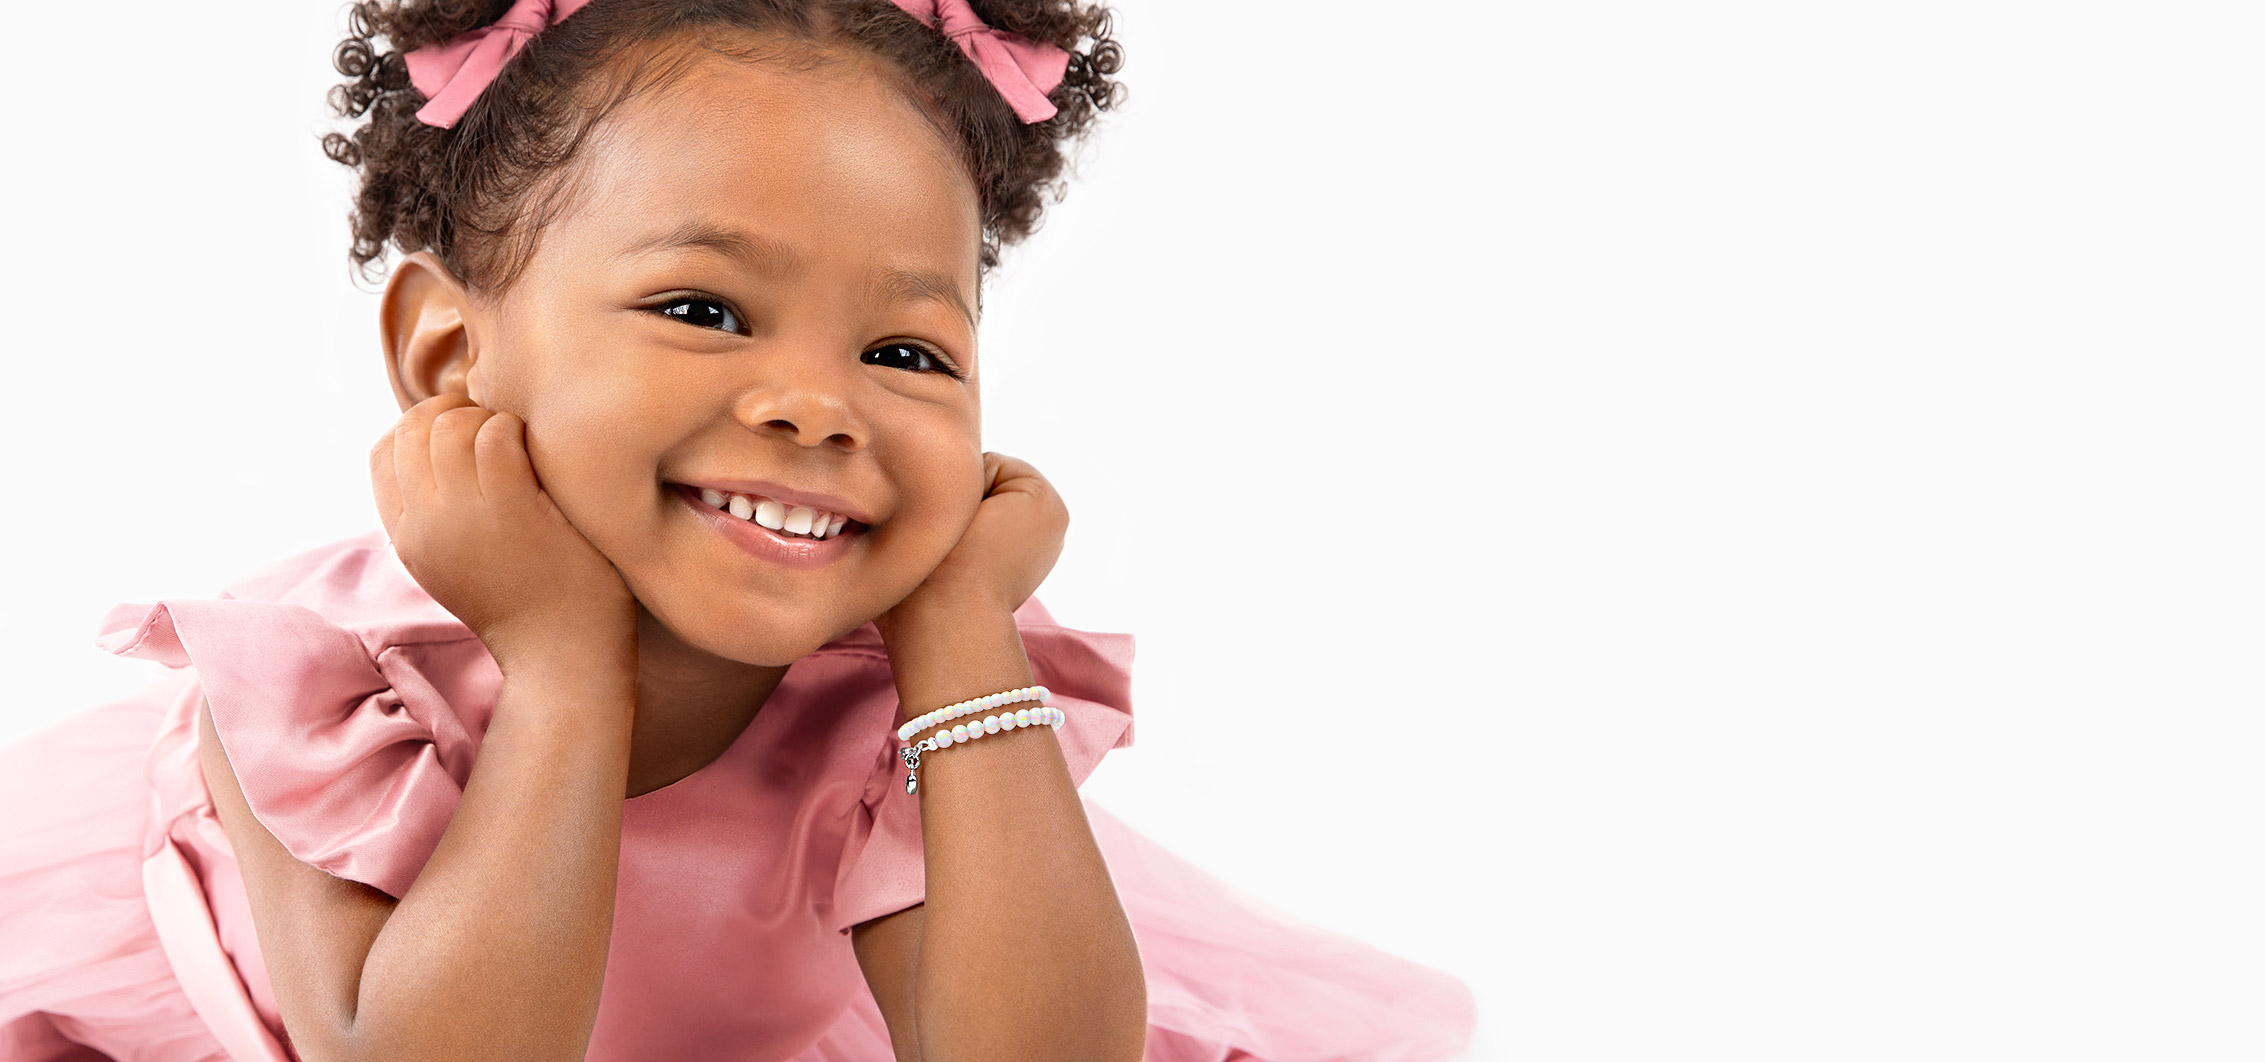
pixel 825 154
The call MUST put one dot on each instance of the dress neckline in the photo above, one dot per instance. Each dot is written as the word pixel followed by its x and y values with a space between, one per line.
pixel 729 751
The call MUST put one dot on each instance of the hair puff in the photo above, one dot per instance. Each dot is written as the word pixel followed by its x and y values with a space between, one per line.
pixel 475 193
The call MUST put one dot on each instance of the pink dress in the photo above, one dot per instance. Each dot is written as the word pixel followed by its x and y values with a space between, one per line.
pixel 352 707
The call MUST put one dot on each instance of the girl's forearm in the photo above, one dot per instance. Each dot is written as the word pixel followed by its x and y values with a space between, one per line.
pixel 499 948
pixel 1026 952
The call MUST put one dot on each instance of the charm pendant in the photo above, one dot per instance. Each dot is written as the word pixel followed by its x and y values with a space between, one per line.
pixel 911 754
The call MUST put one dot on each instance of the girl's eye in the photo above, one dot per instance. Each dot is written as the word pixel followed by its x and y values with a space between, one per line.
pixel 699 311
pixel 910 356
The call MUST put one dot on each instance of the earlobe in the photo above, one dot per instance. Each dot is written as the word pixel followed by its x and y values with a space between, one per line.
pixel 424 327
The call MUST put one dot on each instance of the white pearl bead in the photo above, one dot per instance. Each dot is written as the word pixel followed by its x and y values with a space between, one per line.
pixel 943 739
pixel 959 733
pixel 991 725
pixel 1022 717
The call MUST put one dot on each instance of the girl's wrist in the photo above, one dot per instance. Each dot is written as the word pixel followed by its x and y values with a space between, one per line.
pixel 929 612
pixel 945 656
pixel 595 652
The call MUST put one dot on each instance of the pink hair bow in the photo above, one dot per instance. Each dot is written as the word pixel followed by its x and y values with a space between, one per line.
pixel 1023 70
pixel 452 73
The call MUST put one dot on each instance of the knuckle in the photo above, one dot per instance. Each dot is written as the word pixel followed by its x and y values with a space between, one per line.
pixel 458 419
pixel 502 427
pixel 430 407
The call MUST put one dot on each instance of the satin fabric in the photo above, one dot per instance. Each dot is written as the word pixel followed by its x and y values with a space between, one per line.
pixel 454 72
pixel 1023 70
pixel 351 706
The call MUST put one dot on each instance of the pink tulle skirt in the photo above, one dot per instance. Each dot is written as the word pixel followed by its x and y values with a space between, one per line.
pixel 83 977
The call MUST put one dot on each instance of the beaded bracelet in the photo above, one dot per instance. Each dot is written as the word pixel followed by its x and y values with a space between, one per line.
pixel 974 704
pixel 965 732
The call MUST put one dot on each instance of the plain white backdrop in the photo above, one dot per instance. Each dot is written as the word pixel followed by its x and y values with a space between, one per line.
pixel 1732 528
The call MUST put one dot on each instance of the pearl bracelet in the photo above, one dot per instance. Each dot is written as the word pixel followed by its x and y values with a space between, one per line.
pixel 976 704
pixel 966 732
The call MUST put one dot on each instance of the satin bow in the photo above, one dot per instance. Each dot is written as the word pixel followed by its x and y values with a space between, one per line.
pixel 452 73
pixel 1023 70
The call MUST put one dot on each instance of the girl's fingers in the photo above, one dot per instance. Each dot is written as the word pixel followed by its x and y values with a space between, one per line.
pixel 1004 468
pixel 456 470
pixel 383 483
pixel 412 455
pixel 1014 474
pixel 506 473
pixel 412 446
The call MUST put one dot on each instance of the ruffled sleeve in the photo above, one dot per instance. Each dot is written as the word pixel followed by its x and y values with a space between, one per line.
pixel 1087 675
pixel 353 758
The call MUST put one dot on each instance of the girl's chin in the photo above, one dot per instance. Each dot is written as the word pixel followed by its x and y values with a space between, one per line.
pixel 756 642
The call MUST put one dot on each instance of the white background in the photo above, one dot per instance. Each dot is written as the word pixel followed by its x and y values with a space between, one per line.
pixel 1732 528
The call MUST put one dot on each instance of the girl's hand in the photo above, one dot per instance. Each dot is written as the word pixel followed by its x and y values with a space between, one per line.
pixel 1005 553
pixel 458 495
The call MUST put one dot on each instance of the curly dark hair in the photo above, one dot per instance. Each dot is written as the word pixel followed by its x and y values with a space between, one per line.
pixel 476 193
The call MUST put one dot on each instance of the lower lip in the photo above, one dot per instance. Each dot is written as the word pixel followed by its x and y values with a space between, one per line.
pixel 760 541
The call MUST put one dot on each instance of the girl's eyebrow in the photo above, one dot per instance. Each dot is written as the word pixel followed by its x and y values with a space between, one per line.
pixel 759 253
pixel 907 285
pixel 765 255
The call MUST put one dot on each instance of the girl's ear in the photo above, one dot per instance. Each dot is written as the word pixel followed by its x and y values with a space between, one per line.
pixel 422 324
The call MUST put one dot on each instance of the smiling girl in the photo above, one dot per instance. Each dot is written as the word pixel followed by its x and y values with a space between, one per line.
pixel 636 732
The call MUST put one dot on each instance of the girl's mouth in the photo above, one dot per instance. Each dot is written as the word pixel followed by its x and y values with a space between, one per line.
pixel 785 546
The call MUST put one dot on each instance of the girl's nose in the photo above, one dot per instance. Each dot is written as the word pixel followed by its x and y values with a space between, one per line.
pixel 806 405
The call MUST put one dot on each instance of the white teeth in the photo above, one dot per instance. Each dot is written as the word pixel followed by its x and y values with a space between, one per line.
pixel 771 514
pixel 778 516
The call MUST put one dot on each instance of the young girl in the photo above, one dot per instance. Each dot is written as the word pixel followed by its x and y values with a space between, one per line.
pixel 692 701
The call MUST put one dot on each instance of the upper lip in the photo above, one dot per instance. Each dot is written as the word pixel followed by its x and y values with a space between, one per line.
pixel 789 495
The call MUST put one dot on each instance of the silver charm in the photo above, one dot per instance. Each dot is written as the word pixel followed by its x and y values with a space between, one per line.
pixel 911 754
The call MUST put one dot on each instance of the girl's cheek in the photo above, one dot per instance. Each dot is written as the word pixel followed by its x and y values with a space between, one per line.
pixel 494 382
